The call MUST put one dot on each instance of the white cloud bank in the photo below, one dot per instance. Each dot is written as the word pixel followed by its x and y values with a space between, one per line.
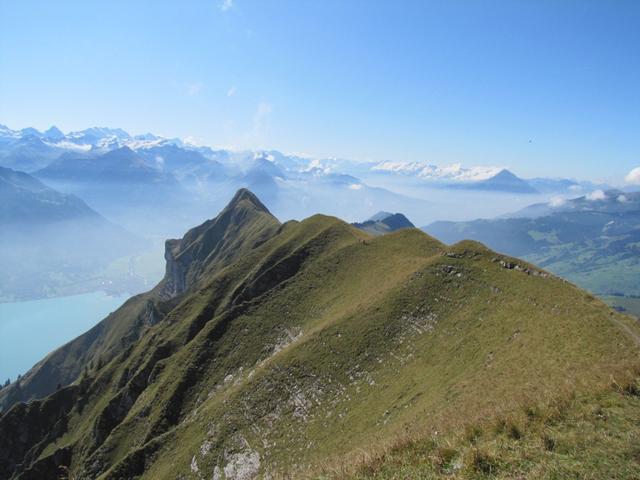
pixel 226 5
pixel 633 176
pixel 557 202
pixel 596 195
pixel 454 171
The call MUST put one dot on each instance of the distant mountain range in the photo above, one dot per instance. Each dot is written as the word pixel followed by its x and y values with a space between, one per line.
pixel 156 187
pixel 275 349
pixel 496 179
pixel 592 240
pixel 30 150
pixel 134 179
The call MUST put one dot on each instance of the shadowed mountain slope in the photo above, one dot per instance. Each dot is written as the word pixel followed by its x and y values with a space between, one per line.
pixel 24 200
pixel 383 222
pixel 52 243
pixel 306 341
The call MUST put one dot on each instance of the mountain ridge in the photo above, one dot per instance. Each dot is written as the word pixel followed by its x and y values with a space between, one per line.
pixel 97 140
pixel 305 345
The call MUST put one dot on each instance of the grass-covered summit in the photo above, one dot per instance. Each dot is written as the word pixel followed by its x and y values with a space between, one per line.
pixel 273 349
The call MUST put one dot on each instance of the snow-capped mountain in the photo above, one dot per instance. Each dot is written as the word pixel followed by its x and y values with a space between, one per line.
pixel 207 171
pixel 454 172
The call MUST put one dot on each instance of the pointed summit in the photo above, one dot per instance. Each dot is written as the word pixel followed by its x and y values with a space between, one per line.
pixel 503 181
pixel 245 197
pixel 384 222
pixel 53 133
pixel 242 225
pixel 506 180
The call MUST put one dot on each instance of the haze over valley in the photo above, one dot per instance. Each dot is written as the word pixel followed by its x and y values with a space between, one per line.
pixel 93 208
pixel 335 240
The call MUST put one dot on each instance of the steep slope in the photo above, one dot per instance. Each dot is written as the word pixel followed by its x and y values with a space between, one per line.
pixel 242 226
pixel 24 199
pixel 53 243
pixel 185 259
pixel 317 341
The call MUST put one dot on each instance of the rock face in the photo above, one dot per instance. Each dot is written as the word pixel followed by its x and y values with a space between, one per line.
pixel 217 243
pixel 176 270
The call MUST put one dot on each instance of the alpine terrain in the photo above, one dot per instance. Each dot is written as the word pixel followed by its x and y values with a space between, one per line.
pixel 303 348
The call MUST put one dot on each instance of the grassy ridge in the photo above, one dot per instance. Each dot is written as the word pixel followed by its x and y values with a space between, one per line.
pixel 319 341
pixel 369 369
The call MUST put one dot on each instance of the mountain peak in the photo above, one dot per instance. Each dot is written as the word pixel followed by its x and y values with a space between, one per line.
pixel 397 221
pixel 505 174
pixel 384 222
pixel 246 196
pixel 505 181
pixel 381 215
pixel 242 225
pixel 53 133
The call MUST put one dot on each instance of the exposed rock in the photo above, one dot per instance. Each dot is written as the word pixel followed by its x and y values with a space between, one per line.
pixel 176 269
pixel 194 465
pixel 242 466
pixel 217 473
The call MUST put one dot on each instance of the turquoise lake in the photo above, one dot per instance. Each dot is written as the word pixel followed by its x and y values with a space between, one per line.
pixel 30 330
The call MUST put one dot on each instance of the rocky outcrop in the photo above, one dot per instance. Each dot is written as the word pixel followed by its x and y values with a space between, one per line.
pixel 243 225
pixel 27 428
pixel 175 276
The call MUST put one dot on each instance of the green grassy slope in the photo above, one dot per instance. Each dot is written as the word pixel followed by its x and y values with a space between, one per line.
pixel 591 435
pixel 313 343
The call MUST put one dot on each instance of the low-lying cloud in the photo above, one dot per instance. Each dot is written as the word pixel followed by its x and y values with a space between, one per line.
pixel 556 202
pixel 596 195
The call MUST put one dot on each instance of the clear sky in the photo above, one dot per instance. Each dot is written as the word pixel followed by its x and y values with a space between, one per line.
pixel 543 87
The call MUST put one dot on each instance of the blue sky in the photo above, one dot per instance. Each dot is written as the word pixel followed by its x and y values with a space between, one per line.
pixel 543 87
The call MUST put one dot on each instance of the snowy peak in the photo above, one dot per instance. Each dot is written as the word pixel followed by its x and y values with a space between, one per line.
pixel 53 134
pixel 454 172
